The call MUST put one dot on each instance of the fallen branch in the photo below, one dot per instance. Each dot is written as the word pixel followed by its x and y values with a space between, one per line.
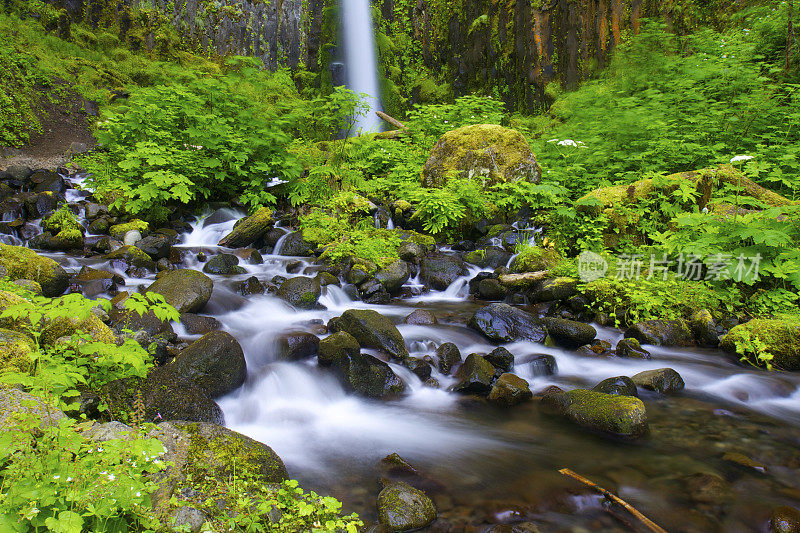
pixel 391 120
pixel 610 495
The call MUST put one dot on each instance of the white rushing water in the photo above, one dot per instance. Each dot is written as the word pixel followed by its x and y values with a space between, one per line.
pixel 360 58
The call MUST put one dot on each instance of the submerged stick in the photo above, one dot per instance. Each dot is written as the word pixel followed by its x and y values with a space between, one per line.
pixel 630 508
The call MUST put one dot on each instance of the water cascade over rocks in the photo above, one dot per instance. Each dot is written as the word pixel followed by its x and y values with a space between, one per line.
pixel 485 400
pixel 360 60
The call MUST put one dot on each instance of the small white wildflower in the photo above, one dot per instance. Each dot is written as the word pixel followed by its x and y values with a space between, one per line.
pixel 69 479
pixel 567 142
pixel 553 141
pixel 112 477
pixel 737 158
pixel 138 494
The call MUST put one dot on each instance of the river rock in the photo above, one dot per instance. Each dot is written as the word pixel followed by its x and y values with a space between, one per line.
pixel 440 271
pixel 91 282
pixel 199 452
pixel 569 333
pixel 621 416
pixel 297 345
pixel 165 395
pixel 421 317
pixel 129 257
pixel 301 292
pixel 510 390
pixel 401 507
pixel 223 264
pixel 410 251
pixel 215 362
pixel 631 348
pixel 504 323
pixel 23 263
pixel 491 289
pixel 249 229
pixel 367 375
pixel 661 333
pixel 373 330
pixel 704 328
pixel 337 346
pixel 15 351
pixel 420 367
pixel 485 152
pixel 501 359
pixel 489 257
pixel 294 246
pixel 662 380
pixel 475 375
pixel 556 289
pixel 785 519
pixel 14 402
pixel 448 356
pixel 620 385
pixel 186 290
pixel 781 338
pixel 122 319
pixel 393 276
pixel 199 324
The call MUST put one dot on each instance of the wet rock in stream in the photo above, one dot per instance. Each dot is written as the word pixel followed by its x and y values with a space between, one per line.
pixel 186 290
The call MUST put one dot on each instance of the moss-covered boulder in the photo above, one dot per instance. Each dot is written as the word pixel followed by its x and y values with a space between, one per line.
pixel 759 338
pixel 373 330
pixel 198 453
pixel 504 323
pixel 440 271
pixel 67 326
pixel 294 246
pixel 661 380
pixel 129 257
pixel 632 349
pixel 448 356
pixel 15 350
pixel 367 375
pixel 619 385
pixel 224 265
pixel 249 229
pixel 704 328
pixel 535 258
pixel 186 290
pixel 621 416
pixel 555 289
pixel 215 362
pixel 8 299
pixel 509 390
pixel 301 292
pixel 23 263
pixel 16 406
pixel 165 395
pixel 569 333
pixel 401 507
pixel 393 276
pixel 91 282
pixel 485 152
pixel 118 231
pixel 475 376
pixel 501 359
pixel 661 333
pixel 335 347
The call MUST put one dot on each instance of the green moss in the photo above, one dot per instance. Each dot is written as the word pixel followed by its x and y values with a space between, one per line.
pixel 623 416
pixel 132 255
pixel 249 229
pixel 766 341
pixel 118 231
pixel 533 258
pixel 62 220
pixel 66 327
pixel 488 152
pixel 24 263
pixel 15 350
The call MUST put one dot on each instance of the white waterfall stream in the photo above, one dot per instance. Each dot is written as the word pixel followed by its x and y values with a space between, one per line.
pixel 361 60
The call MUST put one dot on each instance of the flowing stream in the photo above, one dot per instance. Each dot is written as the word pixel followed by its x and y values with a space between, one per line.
pixel 486 465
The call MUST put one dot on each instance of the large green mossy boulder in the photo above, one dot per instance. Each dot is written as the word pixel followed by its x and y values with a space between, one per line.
pixel 779 338
pixel 15 350
pixel 569 333
pixel 393 276
pixel 373 330
pixel 301 292
pixel 23 263
pixel 335 347
pixel 197 453
pixel 486 152
pixel 621 416
pixel 368 376
pixel 475 376
pixel 17 406
pixel 510 390
pixel 186 290
pixel 402 507
pixel 215 363
pixel 249 230
pixel 661 333
pixel 67 326
pixel 129 257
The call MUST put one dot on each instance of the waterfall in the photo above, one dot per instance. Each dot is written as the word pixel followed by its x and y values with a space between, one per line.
pixel 361 63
